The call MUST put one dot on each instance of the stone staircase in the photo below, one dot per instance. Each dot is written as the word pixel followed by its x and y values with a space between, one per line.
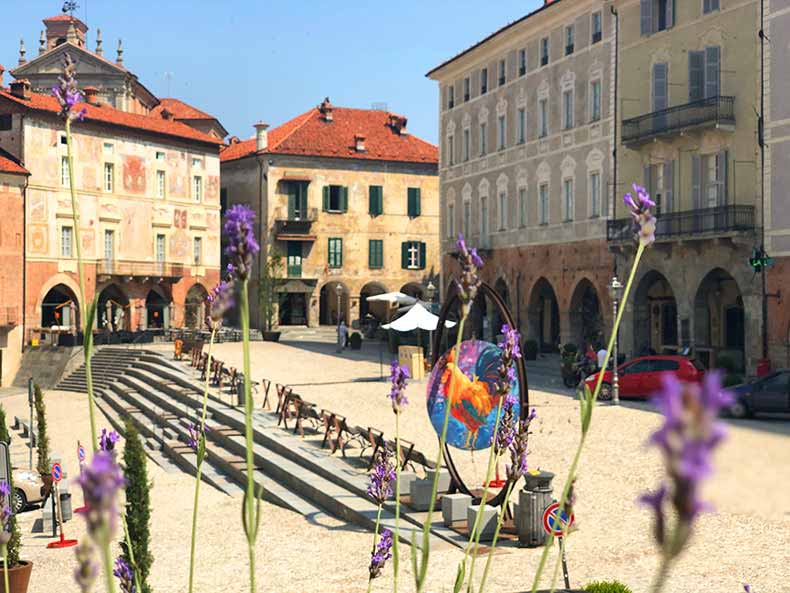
pixel 163 401
pixel 46 364
pixel 107 364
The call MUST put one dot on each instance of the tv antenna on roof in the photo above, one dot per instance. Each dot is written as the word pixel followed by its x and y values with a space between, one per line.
pixel 70 6
pixel 379 106
pixel 168 76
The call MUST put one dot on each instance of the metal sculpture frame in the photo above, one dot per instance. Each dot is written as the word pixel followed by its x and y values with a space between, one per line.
pixel 453 300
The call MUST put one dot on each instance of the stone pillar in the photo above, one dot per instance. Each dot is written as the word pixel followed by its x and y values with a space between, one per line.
pixel 566 326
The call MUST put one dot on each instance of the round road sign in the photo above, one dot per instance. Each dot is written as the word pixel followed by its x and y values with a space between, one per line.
pixel 81 453
pixel 550 519
pixel 57 472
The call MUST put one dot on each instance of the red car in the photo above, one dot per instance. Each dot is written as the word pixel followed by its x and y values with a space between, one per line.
pixel 642 376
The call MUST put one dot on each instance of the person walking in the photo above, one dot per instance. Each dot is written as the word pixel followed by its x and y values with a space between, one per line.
pixel 342 335
pixel 601 357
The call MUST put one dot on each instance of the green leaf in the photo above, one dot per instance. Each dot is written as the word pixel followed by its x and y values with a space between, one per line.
pixel 459 577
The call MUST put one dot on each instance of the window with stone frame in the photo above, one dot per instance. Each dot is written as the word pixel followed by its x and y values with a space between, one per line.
pixel 543 117
pixel 567 109
pixel 522 207
pixel 567 200
pixel 502 210
pixel 522 125
pixel 595 194
pixel 595 22
pixel 543 204
pixel 66 241
pixel 595 100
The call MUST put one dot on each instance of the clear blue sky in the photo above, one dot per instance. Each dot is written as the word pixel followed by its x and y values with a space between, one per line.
pixel 250 60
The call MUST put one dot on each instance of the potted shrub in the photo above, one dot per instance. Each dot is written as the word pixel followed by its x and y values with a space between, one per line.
pixel 530 350
pixel 44 465
pixel 731 375
pixel 355 341
pixel 267 294
pixel 18 570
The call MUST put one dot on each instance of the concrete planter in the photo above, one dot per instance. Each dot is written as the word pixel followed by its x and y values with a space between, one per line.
pixel 271 336
pixel 18 577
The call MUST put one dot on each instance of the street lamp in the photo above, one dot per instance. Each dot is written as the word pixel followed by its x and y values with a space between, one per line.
pixel 431 291
pixel 339 291
pixel 615 292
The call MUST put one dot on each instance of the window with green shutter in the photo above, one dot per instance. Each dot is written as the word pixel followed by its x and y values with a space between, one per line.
pixel 414 206
pixel 375 254
pixel 413 255
pixel 335 253
pixel 376 200
pixel 335 198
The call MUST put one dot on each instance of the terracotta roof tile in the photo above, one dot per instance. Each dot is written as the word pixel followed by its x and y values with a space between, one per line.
pixel 310 135
pixel 8 164
pixel 106 114
pixel 62 17
pixel 180 110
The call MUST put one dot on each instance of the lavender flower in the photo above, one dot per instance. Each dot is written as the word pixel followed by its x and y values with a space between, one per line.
pixel 470 280
pixel 570 500
pixel 507 425
pixel 123 572
pixel 107 440
pixel 518 449
pixel 67 93
pixel 381 477
pixel 242 246
pixel 381 553
pixel 644 222
pixel 747 588
pixel 87 568
pixel 398 378
pixel 5 513
pixel 687 439
pixel 100 483
pixel 510 352
pixel 219 301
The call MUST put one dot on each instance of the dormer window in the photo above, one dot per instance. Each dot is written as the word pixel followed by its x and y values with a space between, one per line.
pixel 359 142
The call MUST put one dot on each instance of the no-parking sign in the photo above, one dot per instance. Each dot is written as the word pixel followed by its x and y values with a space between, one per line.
pixel 57 472
pixel 80 452
pixel 550 523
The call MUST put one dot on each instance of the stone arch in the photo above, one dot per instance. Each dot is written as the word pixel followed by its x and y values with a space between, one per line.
pixel 544 172
pixel 586 315
pixel 59 306
pixel 501 288
pixel 719 320
pixel 413 289
pixel 328 308
pixel 543 313
pixel 655 315
pixel 112 311
pixel 377 310
pixel 195 311
pixel 158 308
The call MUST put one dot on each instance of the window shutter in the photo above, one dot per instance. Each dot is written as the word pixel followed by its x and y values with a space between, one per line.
pixel 669 186
pixel 339 244
pixel 648 177
pixel 291 202
pixel 422 256
pixel 326 198
pixel 373 200
pixel 646 11
pixel 344 199
pixel 371 254
pixel 417 202
pixel 659 87
pixel 670 14
pixel 410 202
pixel 404 255
pixel 330 254
pixel 722 178
pixel 696 75
pixel 712 69
pixel 696 181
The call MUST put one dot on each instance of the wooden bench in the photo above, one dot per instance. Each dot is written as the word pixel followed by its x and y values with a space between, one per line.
pixel 406 451
pixel 266 386
pixel 283 391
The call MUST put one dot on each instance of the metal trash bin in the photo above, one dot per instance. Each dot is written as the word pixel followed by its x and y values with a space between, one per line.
pixel 532 501
pixel 65 506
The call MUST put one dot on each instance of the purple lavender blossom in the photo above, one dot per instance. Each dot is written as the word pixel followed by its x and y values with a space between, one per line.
pixel 519 448
pixel 67 93
pixel 687 439
pixel 242 246
pixel 87 567
pixel 570 500
pixel 123 572
pixel 5 513
pixel 399 376
pixel 196 438
pixel 100 481
pixel 506 431
pixel 107 440
pixel 381 477
pixel 381 553
pixel 644 222
pixel 510 352
pixel 747 588
pixel 219 301
pixel 469 283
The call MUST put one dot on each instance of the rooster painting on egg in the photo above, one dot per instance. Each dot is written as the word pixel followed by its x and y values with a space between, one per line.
pixel 470 388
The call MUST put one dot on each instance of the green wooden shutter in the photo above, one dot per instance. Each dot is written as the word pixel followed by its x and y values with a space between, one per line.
pixel 410 202
pixel 292 196
pixel 380 200
pixel 417 202
pixel 422 255
pixel 326 197
pixel 329 254
pixel 339 252
pixel 344 199
pixel 372 200
pixel 381 253
pixel 404 255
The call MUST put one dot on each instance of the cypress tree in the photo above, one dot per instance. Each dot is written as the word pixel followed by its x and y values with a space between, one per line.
pixel 138 507
pixel 13 543
pixel 42 439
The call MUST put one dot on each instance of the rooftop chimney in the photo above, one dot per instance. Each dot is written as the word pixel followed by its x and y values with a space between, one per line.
pixel 22 52
pixel 21 89
pixel 359 142
pixel 2 71
pixel 99 48
pixel 91 95
pixel 261 136
pixel 42 43
pixel 119 59
pixel 398 123
pixel 326 109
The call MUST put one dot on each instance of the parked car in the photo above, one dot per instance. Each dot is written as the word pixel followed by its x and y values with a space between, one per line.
pixel 29 489
pixel 766 394
pixel 642 376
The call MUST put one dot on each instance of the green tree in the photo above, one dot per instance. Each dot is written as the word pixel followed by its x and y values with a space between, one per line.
pixel 42 439
pixel 13 543
pixel 138 506
pixel 266 287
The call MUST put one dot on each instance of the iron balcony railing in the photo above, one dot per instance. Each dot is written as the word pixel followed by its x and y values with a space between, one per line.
pixel 702 223
pixel 297 223
pixel 713 111
pixel 140 269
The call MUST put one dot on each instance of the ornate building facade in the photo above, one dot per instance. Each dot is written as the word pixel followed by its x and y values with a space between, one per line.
pixel 349 200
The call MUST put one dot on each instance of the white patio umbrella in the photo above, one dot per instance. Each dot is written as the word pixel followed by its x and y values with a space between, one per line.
pixel 393 298
pixel 418 317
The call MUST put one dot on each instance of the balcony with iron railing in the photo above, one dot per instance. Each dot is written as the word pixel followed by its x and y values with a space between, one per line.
pixel 295 225
pixel 690 225
pixel 714 112
pixel 141 269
